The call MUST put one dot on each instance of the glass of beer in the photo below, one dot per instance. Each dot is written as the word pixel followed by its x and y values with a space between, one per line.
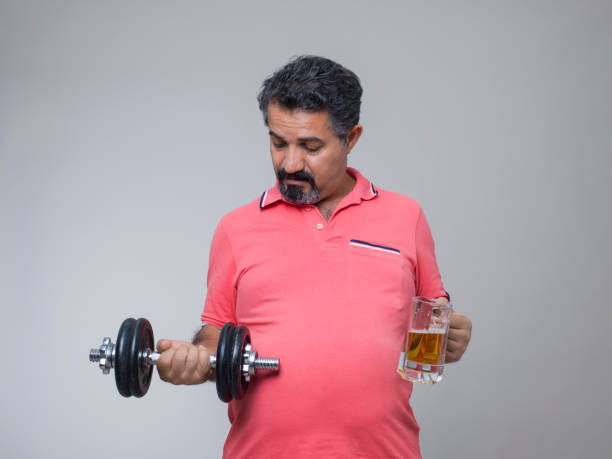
pixel 422 356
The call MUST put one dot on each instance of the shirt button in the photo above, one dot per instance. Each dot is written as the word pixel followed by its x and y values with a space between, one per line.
pixel 319 226
pixel 308 209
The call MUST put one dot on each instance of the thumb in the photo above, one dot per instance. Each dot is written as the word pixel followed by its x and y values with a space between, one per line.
pixel 164 345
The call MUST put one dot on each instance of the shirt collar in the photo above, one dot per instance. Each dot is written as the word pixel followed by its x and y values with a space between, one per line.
pixel 363 190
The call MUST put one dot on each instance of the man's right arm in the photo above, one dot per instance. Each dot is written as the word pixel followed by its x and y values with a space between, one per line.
pixel 208 336
pixel 182 362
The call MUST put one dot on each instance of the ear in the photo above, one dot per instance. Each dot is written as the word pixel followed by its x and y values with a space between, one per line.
pixel 353 136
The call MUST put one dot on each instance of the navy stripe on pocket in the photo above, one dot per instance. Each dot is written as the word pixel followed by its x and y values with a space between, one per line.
pixel 369 245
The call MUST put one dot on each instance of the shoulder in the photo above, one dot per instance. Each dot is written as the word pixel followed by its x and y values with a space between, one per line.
pixel 241 216
pixel 396 202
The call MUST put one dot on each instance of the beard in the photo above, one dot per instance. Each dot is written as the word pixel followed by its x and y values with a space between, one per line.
pixel 296 193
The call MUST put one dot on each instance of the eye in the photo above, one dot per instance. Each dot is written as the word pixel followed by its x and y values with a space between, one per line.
pixel 311 149
pixel 279 145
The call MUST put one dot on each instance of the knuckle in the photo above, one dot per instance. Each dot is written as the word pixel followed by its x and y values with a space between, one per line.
pixel 178 365
pixel 176 378
pixel 194 353
pixel 186 378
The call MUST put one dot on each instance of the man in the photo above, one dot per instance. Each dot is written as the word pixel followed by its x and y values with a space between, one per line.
pixel 321 268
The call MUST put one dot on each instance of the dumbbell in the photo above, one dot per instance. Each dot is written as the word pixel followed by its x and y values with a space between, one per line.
pixel 132 357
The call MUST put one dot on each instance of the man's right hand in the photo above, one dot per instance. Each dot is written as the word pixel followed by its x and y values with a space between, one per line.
pixel 182 362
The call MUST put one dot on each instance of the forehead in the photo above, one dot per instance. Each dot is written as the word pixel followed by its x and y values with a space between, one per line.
pixel 298 123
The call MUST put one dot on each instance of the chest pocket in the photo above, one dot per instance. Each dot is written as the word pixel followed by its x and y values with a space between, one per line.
pixel 374 273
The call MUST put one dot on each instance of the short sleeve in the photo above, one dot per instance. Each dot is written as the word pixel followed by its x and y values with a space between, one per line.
pixel 428 281
pixel 220 304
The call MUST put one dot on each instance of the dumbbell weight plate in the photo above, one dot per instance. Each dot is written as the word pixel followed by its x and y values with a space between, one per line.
pixel 238 385
pixel 122 356
pixel 224 351
pixel 139 376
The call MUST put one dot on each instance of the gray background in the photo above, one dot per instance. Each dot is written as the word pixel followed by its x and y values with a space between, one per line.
pixel 128 128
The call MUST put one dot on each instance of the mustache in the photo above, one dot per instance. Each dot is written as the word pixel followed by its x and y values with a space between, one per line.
pixel 282 174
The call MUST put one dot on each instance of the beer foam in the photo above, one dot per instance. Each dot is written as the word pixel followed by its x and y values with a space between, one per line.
pixel 432 331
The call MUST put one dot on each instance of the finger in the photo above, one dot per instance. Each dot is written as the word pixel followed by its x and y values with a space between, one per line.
pixel 460 331
pixel 459 335
pixel 178 364
pixel 176 343
pixel 456 345
pixel 441 300
pixel 459 321
pixel 164 364
pixel 453 341
pixel 451 357
pixel 163 345
pixel 452 344
pixel 454 350
pixel 456 320
pixel 203 366
pixel 191 365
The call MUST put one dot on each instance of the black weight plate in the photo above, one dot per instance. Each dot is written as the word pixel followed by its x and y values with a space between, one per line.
pixel 224 354
pixel 122 358
pixel 238 385
pixel 139 375
pixel 234 362
pixel 247 340
pixel 223 361
pixel 228 361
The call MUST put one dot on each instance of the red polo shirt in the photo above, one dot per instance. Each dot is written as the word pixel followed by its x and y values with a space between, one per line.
pixel 331 300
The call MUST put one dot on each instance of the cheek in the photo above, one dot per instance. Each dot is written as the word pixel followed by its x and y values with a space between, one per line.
pixel 315 169
pixel 326 171
pixel 277 158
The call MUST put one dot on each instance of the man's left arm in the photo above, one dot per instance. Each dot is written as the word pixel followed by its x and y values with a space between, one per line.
pixel 459 334
pixel 429 284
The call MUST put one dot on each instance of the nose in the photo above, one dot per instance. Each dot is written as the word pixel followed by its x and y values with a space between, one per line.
pixel 294 160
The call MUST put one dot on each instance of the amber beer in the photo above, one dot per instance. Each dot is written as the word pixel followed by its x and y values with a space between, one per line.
pixel 426 346
pixel 424 355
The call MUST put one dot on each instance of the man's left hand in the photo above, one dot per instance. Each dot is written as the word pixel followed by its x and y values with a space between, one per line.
pixel 459 334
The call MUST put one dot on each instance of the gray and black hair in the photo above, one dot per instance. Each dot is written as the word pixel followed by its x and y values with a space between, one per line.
pixel 314 83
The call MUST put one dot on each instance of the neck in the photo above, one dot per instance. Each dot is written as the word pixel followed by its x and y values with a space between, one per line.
pixel 326 212
pixel 327 206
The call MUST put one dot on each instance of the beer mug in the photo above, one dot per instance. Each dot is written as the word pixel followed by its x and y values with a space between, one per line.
pixel 422 355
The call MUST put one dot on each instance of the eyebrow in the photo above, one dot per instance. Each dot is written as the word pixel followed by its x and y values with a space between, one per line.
pixel 301 139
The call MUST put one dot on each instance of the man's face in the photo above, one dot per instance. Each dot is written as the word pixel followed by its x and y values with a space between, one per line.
pixel 309 159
